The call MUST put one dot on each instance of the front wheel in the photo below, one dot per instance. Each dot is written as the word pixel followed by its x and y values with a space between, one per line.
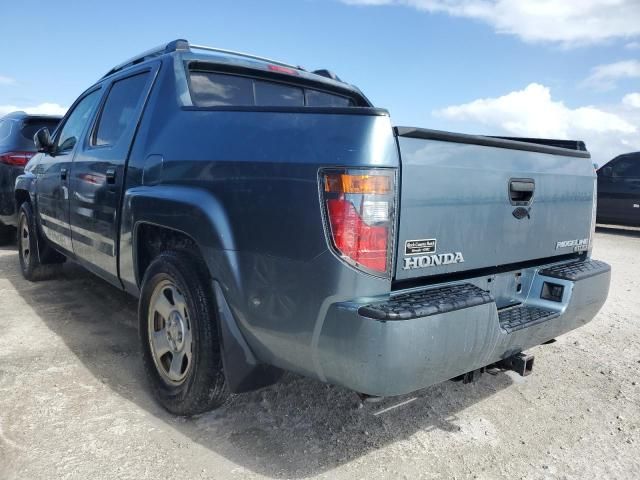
pixel 179 335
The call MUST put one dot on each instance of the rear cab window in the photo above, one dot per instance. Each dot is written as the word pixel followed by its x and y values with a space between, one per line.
pixel 216 89
pixel 315 98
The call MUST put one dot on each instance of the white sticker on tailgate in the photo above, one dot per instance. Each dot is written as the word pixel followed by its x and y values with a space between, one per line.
pixel 420 247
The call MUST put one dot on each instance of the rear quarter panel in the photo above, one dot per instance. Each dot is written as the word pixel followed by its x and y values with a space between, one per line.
pixel 250 199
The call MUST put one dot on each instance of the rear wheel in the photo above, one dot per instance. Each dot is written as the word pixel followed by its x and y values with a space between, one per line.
pixel 179 335
pixel 34 264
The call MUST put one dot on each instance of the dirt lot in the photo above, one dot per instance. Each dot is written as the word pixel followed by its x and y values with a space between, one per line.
pixel 74 403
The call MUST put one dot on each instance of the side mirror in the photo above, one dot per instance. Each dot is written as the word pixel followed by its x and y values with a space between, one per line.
pixel 607 171
pixel 42 139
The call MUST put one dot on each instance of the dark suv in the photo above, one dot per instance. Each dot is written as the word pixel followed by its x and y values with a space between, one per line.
pixel 16 148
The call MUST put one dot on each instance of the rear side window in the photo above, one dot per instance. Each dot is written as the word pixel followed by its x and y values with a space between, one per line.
pixel 210 89
pixel 119 112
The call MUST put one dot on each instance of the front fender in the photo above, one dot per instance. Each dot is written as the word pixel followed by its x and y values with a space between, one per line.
pixel 26 184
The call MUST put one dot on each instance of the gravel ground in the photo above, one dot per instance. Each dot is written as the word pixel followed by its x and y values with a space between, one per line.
pixel 74 403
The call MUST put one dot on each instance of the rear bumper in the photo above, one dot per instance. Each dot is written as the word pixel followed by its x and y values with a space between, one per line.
pixel 446 334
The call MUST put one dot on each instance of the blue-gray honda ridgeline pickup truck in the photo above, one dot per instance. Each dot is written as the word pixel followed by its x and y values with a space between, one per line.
pixel 269 218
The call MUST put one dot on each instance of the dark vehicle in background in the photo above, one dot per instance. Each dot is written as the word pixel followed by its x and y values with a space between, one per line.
pixel 16 149
pixel 271 219
pixel 619 191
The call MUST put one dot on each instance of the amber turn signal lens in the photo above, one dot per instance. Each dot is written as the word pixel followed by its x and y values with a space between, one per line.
pixel 362 184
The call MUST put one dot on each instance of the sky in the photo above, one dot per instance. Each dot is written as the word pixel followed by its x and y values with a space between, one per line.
pixel 542 68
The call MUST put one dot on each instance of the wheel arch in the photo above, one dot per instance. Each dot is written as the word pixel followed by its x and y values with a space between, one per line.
pixel 25 189
pixel 25 192
pixel 182 213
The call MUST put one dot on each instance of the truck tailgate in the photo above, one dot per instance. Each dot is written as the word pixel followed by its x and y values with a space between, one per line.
pixel 469 202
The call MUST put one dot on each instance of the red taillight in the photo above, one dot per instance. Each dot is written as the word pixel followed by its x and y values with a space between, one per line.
pixel 362 243
pixel 17 159
pixel 360 209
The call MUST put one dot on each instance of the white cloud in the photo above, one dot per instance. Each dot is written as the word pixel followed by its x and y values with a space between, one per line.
pixel 633 46
pixel 42 109
pixel 532 112
pixel 605 77
pixel 632 100
pixel 4 80
pixel 567 22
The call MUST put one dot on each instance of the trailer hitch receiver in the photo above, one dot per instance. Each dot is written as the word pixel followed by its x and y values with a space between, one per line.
pixel 521 363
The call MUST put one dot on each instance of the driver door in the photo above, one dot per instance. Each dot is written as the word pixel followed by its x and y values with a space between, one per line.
pixel 52 197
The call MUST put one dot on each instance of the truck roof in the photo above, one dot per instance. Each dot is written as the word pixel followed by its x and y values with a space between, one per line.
pixel 239 59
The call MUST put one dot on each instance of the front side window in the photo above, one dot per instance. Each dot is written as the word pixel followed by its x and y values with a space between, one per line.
pixel 209 89
pixel 119 112
pixel 76 121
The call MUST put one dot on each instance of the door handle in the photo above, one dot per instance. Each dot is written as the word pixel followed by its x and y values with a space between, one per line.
pixel 111 175
pixel 63 173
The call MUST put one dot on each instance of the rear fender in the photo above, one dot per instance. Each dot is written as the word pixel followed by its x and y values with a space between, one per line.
pixel 200 216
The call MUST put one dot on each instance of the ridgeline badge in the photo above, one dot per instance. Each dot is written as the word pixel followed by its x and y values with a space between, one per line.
pixel 578 245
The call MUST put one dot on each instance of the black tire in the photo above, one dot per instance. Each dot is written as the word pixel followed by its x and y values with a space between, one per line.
pixel 7 235
pixel 203 387
pixel 34 264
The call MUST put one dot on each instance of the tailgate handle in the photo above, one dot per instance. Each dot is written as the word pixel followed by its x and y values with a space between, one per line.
pixel 521 191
